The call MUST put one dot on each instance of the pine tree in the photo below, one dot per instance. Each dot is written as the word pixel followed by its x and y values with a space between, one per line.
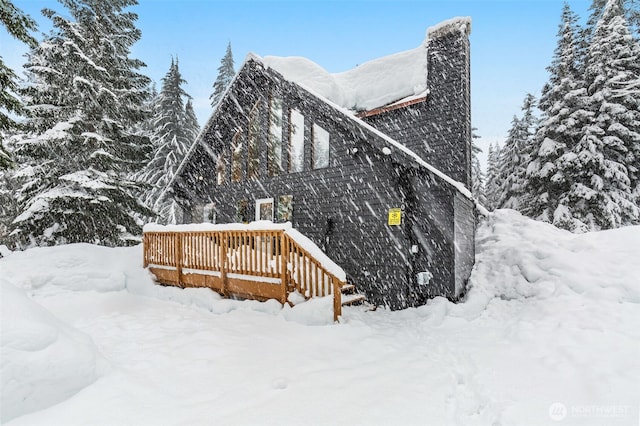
pixel 514 159
pixel 176 129
pixel 19 25
pixel 563 102
pixel 604 163
pixel 492 187
pixel 85 97
pixel 225 76
pixel 192 128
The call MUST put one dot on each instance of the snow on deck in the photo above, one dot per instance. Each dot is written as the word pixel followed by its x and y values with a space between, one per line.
pixel 259 225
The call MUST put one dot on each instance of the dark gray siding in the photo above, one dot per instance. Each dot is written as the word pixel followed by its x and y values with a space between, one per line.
pixel 464 241
pixel 438 130
pixel 344 208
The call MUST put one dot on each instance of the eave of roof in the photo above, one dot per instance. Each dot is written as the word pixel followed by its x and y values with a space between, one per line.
pixel 411 100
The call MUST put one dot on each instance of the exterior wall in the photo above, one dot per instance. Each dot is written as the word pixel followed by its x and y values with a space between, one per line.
pixel 432 232
pixel 464 242
pixel 439 129
pixel 342 208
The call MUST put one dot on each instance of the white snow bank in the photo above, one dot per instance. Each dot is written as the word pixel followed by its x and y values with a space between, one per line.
pixel 370 85
pixel 550 323
pixel 521 258
pixel 73 267
pixel 316 311
pixel 44 361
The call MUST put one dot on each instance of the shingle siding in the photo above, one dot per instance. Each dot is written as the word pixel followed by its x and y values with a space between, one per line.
pixel 344 208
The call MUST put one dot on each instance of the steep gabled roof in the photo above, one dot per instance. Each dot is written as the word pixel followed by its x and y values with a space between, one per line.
pixel 346 89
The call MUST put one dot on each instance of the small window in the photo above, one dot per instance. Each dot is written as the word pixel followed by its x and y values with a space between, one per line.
pixel 253 144
pixel 264 209
pixel 296 142
pixel 236 158
pixel 285 208
pixel 209 213
pixel 242 211
pixel 274 151
pixel 221 169
pixel 198 213
pixel 320 147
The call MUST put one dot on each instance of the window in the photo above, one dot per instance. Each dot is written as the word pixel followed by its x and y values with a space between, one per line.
pixel 209 213
pixel 236 158
pixel 198 211
pixel 242 211
pixel 296 141
pixel 264 209
pixel 320 147
pixel 253 144
pixel 274 150
pixel 285 208
pixel 221 169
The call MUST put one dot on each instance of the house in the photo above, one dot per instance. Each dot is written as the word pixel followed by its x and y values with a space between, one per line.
pixel 372 164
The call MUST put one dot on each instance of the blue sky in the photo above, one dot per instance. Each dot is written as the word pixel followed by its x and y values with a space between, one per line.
pixel 512 41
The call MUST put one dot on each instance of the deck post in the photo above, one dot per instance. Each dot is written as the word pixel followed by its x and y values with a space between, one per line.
pixel 145 250
pixel 178 256
pixel 224 236
pixel 337 299
pixel 284 254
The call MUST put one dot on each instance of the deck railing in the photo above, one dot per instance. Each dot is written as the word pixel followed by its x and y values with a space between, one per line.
pixel 252 264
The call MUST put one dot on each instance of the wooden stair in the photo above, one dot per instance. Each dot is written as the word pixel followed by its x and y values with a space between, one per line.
pixel 350 297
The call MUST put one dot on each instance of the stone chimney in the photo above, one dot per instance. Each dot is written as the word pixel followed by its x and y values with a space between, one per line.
pixel 449 98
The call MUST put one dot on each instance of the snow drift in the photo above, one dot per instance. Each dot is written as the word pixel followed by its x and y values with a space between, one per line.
pixel 44 361
pixel 548 332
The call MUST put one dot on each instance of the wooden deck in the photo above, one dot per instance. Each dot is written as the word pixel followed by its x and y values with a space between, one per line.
pixel 248 264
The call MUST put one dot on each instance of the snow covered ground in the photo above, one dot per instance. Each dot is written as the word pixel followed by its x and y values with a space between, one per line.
pixel 549 334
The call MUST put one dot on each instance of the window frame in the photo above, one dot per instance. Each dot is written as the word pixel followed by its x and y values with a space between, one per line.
pixel 259 203
pixel 236 157
pixel 300 139
pixel 253 142
pixel 275 137
pixel 314 146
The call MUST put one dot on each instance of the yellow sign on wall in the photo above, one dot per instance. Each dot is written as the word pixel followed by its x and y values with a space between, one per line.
pixel 395 217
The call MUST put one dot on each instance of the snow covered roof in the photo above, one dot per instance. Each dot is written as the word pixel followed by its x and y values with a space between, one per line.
pixel 373 84
pixel 388 80
pixel 368 86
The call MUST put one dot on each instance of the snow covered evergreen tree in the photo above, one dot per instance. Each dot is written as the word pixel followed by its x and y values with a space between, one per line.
pixel 191 126
pixel 85 96
pixel 176 129
pixel 492 186
pixel 514 159
pixel 19 25
pixel 563 102
pixel 225 76
pixel 603 165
